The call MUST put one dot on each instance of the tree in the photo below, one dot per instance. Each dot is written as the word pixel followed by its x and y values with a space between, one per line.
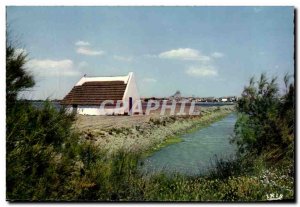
pixel 266 119
pixel 17 78
pixel 40 144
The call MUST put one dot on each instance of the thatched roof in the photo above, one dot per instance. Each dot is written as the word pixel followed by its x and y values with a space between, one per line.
pixel 95 92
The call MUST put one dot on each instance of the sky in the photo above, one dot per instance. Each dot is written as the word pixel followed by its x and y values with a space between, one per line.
pixel 200 51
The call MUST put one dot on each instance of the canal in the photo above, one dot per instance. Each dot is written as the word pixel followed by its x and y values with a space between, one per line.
pixel 197 152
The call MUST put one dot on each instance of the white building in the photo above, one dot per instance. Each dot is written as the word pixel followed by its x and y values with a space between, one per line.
pixel 89 93
pixel 224 99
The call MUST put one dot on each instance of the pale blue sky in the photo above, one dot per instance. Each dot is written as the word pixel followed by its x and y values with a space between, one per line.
pixel 201 51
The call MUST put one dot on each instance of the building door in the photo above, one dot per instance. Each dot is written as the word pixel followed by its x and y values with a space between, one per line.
pixel 130 105
pixel 74 108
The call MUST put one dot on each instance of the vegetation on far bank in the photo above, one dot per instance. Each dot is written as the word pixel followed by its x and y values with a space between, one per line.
pixel 47 159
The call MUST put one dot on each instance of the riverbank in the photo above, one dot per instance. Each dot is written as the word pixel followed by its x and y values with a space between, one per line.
pixel 77 169
pixel 197 152
pixel 144 134
pixel 191 126
pixel 125 144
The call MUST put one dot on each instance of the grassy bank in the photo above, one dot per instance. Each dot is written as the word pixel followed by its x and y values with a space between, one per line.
pixel 267 185
pixel 154 134
pixel 208 117
pixel 168 141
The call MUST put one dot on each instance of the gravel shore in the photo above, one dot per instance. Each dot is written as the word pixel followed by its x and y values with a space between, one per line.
pixel 142 133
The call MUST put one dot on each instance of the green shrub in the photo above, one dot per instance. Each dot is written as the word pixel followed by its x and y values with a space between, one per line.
pixel 266 119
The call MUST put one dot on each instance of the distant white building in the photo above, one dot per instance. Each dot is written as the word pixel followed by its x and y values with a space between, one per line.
pixel 89 93
pixel 224 99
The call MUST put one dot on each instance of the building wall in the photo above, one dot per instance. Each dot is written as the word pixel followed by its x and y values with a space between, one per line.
pixel 95 110
pixel 131 91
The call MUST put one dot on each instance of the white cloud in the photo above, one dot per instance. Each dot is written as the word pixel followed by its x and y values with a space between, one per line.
pixel 217 55
pixel 184 54
pixel 122 58
pixel 84 49
pixel 149 80
pixel 89 52
pixel 47 67
pixel 82 43
pixel 202 71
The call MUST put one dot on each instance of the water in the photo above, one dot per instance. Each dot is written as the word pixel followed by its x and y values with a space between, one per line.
pixel 40 104
pixel 195 155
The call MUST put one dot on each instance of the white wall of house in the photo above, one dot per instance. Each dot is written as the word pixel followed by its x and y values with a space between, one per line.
pixel 95 110
pixel 130 91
